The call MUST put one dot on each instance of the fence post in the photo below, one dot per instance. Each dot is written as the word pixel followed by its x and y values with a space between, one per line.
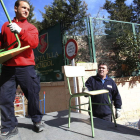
pixel 44 102
pixel 92 39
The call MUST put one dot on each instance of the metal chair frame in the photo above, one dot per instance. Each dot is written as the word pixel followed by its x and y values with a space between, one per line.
pixel 79 71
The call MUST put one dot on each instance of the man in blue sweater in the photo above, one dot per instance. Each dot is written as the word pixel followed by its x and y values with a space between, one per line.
pixel 102 81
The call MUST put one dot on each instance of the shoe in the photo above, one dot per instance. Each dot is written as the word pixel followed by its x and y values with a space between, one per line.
pixel 39 126
pixel 9 134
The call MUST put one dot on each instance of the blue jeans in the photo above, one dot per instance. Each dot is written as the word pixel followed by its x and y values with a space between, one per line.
pixel 11 77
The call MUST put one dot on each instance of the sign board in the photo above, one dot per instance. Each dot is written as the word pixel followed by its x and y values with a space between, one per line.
pixel 49 55
pixel 71 48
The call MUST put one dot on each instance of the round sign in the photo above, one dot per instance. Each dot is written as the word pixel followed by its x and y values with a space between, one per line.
pixel 71 48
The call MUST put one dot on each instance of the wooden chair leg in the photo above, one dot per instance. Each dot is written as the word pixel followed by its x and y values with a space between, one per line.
pixel 91 117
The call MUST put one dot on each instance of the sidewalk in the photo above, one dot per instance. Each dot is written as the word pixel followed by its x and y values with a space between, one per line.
pixel 56 124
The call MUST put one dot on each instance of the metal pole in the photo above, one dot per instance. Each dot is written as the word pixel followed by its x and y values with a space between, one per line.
pixel 44 102
pixel 89 39
pixel 23 105
pixel 92 37
pixel 75 85
pixel 134 33
pixel 8 17
pixel 113 20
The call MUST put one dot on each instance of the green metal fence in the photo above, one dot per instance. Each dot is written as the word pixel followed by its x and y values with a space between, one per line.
pixel 81 33
pixel 115 42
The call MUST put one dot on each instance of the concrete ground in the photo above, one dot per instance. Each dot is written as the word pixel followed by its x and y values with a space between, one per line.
pixel 131 122
pixel 56 128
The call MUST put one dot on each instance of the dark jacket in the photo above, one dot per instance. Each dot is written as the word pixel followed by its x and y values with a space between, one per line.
pixel 95 83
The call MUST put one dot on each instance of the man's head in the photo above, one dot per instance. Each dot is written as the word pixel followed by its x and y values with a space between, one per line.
pixel 22 9
pixel 102 70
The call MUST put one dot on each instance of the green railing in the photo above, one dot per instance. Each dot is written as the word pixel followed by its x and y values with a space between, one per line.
pixel 81 32
pixel 115 42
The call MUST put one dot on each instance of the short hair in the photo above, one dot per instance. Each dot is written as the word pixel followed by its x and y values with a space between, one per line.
pixel 18 1
pixel 103 63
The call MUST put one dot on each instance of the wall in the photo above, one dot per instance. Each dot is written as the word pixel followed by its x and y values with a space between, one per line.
pixel 129 88
pixel 57 95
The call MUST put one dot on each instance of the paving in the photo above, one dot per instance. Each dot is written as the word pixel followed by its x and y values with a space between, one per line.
pixel 56 128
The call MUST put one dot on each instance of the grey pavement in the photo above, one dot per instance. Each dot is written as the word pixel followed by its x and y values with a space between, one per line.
pixel 56 128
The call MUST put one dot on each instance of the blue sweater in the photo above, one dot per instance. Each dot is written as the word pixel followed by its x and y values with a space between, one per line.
pixel 95 83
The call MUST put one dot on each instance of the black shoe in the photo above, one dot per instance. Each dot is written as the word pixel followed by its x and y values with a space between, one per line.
pixel 39 126
pixel 9 134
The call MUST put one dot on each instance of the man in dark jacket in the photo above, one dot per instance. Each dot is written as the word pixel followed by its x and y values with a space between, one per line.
pixel 102 81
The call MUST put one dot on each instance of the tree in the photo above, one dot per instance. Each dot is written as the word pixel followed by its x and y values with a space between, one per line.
pixel 125 42
pixel 69 12
pixel 31 14
pixel 31 18
pixel 128 45
pixel 118 10
pixel 136 11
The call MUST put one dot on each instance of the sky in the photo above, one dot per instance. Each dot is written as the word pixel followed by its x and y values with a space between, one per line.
pixel 93 8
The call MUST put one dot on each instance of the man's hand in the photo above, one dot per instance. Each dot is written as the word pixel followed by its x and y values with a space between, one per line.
pixel 84 89
pixel 118 113
pixel 14 28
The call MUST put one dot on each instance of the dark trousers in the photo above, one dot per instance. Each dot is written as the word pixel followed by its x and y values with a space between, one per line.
pixel 10 78
pixel 107 117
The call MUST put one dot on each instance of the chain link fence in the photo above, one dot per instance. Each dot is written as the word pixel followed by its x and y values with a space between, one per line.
pixel 80 31
pixel 117 43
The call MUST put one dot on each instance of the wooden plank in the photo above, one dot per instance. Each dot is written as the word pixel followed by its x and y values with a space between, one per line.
pixel 74 71
pixel 97 92
pixel 11 53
